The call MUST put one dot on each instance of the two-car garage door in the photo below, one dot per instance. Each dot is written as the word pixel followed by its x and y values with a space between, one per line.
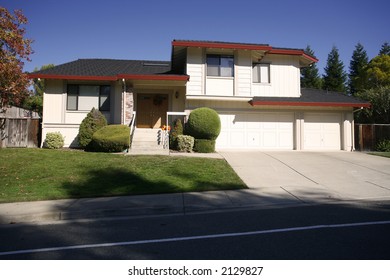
pixel 321 131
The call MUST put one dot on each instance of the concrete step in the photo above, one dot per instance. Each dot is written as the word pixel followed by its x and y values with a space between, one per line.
pixel 147 142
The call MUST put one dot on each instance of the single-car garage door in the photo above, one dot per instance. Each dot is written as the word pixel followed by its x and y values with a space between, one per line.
pixel 322 131
pixel 256 131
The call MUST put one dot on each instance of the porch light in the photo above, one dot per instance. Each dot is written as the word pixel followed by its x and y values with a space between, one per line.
pixel 177 94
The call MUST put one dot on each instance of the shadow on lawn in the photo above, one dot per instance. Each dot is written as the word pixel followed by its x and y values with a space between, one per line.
pixel 119 182
pixel 115 181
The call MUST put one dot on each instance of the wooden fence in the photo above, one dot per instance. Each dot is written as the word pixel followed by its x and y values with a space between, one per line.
pixel 367 136
pixel 19 132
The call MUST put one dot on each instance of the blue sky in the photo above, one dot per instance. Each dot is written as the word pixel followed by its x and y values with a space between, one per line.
pixel 67 30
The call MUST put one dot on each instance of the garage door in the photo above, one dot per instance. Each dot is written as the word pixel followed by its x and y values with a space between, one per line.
pixel 256 131
pixel 322 131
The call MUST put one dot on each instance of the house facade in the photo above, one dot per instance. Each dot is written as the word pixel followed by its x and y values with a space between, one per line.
pixel 255 88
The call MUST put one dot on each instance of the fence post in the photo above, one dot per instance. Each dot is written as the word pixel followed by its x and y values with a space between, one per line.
pixel 361 137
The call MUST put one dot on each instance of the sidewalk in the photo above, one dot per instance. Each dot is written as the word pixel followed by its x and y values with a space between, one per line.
pixel 142 205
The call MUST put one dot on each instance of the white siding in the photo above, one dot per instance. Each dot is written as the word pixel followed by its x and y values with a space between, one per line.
pixel 243 73
pixel 285 77
pixel 195 69
pixel 53 102
pixel 219 86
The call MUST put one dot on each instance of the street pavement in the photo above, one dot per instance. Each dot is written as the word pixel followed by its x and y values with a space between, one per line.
pixel 275 180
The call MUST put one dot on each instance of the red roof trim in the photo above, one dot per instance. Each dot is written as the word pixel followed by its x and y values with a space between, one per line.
pixel 314 104
pixel 72 77
pixel 220 45
pixel 153 77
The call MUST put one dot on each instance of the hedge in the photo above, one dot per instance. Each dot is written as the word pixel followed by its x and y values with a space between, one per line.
pixel 111 139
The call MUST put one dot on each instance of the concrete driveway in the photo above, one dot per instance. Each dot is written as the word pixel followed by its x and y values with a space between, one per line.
pixel 313 176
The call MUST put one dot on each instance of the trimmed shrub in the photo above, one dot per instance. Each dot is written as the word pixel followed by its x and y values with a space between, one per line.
pixel 90 124
pixel 54 140
pixel 185 143
pixel 177 130
pixel 110 139
pixel 383 145
pixel 204 146
pixel 203 123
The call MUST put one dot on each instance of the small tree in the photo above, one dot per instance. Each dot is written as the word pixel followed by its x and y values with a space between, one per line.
pixel 310 77
pixel 175 132
pixel 14 48
pixel 90 124
pixel 385 49
pixel 358 62
pixel 335 76
pixel 34 102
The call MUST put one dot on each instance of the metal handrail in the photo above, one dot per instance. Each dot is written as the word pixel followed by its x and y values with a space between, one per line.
pixel 132 128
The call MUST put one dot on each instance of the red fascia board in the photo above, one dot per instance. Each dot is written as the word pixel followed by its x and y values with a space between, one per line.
pixel 110 78
pixel 72 77
pixel 293 52
pixel 216 45
pixel 154 77
pixel 314 104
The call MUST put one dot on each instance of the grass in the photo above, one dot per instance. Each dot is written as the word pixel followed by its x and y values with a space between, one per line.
pixel 382 154
pixel 40 174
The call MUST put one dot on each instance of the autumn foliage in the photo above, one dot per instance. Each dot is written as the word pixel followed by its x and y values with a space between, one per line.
pixel 14 49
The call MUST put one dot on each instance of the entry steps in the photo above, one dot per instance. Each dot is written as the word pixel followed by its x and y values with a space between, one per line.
pixel 147 141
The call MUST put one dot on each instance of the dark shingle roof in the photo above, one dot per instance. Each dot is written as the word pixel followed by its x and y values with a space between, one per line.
pixel 108 67
pixel 313 97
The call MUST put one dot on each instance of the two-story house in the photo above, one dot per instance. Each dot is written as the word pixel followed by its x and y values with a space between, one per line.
pixel 255 88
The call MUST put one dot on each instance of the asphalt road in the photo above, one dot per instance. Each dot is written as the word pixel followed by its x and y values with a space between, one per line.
pixel 334 231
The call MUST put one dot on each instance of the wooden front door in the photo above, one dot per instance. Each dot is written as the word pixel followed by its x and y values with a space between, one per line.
pixel 151 110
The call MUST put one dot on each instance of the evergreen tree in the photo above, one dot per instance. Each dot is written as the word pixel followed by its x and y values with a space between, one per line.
pixel 310 77
pixel 335 76
pixel 385 49
pixel 358 62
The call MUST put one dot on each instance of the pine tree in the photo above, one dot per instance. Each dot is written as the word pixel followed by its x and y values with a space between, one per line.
pixel 310 77
pixel 385 49
pixel 358 62
pixel 335 76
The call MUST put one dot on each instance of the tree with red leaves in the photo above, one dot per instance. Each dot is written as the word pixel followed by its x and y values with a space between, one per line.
pixel 14 48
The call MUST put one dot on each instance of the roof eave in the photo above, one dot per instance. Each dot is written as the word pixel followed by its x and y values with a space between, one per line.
pixel 151 77
pixel 309 104
pixel 154 77
pixel 71 77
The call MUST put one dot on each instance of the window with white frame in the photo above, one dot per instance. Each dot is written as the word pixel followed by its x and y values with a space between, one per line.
pixel 86 97
pixel 220 65
pixel 261 73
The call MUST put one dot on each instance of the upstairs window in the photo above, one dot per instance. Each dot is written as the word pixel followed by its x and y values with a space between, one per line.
pixel 220 65
pixel 86 97
pixel 261 73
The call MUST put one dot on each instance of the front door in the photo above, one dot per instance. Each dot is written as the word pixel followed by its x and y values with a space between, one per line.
pixel 151 110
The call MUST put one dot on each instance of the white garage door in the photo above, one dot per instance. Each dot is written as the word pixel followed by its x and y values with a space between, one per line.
pixel 322 131
pixel 256 131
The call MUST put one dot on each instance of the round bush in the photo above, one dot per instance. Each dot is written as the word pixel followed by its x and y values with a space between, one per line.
pixel 54 140
pixel 204 146
pixel 110 139
pixel 90 124
pixel 204 123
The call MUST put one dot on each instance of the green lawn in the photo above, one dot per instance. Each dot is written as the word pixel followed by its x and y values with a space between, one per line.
pixel 40 174
pixel 382 154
